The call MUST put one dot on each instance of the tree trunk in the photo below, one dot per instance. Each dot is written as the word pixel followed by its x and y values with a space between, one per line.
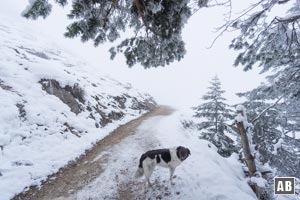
pixel 246 149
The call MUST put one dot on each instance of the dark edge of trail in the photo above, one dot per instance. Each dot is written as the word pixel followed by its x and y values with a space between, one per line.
pixel 78 173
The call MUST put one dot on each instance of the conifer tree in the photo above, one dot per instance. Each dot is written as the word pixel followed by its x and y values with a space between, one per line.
pixel 156 26
pixel 265 39
pixel 275 122
pixel 214 112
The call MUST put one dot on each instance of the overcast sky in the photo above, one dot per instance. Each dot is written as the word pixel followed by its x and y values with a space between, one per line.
pixel 179 84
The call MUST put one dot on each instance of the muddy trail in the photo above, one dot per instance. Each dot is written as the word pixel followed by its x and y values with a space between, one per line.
pixel 79 174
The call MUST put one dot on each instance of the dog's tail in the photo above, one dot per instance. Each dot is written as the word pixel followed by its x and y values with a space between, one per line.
pixel 139 172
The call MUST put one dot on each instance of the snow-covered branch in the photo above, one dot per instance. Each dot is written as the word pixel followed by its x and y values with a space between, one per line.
pixel 265 110
pixel 288 19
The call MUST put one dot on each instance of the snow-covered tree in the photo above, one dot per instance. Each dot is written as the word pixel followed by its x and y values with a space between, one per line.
pixel 214 112
pixel 156 25
pixel 271 42
pixel 265 39
pixel 274 122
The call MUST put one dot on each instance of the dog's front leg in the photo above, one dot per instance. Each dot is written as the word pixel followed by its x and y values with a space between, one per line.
pixel 172 170
pixel 148 183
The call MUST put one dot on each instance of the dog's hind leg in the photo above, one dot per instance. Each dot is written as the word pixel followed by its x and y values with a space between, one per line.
pixel 148 170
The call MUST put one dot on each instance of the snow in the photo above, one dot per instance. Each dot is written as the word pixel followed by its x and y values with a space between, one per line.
pixel 259 181
pixel 240 108
pixel 242 117
pixel 239 118
pixel 4 140
pixel 155 7
pixel 204 175
pixel 277 146
pixel 294 134
pixel 264 168
pixel 36 143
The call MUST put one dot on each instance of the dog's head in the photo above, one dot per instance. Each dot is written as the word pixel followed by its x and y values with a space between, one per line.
pixel 182 153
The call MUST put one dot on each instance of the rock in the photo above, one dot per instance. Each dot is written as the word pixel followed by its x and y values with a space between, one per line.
pixel 22 112
pixel 148 104
pixel 115 115
pixel 76 92
pixel 22 163
pixel 121 101
pixel 34 52
pixel 69 95
pixel 71 130
pixel 73 96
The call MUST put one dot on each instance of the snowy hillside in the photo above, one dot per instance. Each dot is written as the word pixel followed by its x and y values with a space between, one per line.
pixel 53 107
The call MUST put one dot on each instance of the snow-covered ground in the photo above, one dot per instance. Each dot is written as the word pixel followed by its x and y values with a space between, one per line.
pixel 204 175
pixel 39 133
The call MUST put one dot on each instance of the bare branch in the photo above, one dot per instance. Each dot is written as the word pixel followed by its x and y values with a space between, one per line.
pixel 227 25
pixel 283 1
pixel 265 110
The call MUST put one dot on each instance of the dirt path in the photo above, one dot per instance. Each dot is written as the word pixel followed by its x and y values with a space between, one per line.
pixel 78 174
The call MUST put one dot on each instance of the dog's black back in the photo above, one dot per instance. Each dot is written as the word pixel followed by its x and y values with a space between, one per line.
pixel 158 153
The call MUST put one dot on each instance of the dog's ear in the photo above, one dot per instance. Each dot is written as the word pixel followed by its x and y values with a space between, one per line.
pixel 179 148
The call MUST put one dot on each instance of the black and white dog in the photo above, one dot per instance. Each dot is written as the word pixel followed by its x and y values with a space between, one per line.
pixel 169 158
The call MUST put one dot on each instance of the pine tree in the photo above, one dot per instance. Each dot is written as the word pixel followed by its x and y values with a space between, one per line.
pixel 156 26
pixel 274 122
pixel 214 112
pixel 271 42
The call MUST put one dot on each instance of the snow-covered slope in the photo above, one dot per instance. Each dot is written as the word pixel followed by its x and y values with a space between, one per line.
pixel 53 106
pixel 205 175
